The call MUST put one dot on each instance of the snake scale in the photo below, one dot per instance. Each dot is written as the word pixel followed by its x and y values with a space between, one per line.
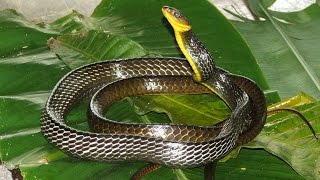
pixel 166 144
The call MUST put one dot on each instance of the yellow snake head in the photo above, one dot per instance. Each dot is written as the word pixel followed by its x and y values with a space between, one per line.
pixel 176 19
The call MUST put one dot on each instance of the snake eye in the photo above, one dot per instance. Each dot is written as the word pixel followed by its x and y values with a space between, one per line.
pixel 177 14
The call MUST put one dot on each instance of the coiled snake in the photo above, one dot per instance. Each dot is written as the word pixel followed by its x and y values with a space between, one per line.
pixel 165 144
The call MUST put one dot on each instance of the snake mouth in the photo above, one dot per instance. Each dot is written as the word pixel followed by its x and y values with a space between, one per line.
pixel 179 22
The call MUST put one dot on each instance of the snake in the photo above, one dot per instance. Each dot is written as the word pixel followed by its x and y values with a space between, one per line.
pixel 172 145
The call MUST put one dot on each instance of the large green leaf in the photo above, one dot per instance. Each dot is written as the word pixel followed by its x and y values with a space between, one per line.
pixel 31 71
pixel 292 55
pixel 286 47
pixel 14 41
pixel 287 137
pixel 148 27
pixel 92 46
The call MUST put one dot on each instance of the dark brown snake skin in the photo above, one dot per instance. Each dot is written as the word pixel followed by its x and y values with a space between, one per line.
pixel 170 145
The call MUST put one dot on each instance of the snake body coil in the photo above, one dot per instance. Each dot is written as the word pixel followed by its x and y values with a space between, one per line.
pixel 171 145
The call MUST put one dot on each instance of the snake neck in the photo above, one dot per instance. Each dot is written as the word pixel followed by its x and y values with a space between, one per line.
pixel 197 55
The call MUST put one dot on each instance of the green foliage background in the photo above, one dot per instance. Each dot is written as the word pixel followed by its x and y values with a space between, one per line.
pixel 280 57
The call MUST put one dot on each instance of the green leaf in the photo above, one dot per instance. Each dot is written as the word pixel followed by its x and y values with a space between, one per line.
pixel 285 45
pixel 200 110
pixel 288 137
pixel 92 46
pixel 18 35
pixel 148 27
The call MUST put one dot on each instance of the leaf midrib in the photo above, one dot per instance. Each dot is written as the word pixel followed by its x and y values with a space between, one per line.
pixel 188 107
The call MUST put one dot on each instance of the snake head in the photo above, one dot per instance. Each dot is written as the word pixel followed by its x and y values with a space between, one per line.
pixel 179 22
